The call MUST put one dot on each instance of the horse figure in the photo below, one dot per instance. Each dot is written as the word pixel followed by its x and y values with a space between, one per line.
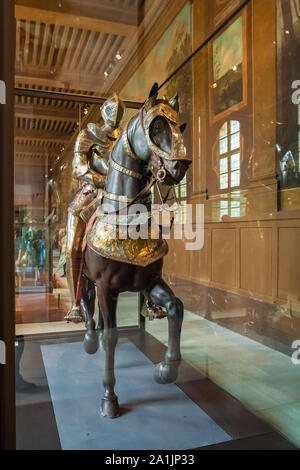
pixel 150 149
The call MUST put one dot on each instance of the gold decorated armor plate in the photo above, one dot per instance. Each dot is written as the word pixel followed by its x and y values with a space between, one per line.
pixel 109 241
pixel 83 198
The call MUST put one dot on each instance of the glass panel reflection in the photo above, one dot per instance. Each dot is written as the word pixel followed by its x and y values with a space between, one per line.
pixel 240 287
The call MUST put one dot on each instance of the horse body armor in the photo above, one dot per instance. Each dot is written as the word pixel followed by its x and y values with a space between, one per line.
pixel 112 241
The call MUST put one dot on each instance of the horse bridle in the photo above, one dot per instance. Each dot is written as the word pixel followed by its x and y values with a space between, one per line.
pixel 157 177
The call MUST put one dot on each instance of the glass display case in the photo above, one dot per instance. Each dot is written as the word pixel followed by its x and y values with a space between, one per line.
pixel 44 188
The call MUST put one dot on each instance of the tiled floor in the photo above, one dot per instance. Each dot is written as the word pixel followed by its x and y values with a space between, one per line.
pixel 261 378
pixel 264 380
pixel 36 422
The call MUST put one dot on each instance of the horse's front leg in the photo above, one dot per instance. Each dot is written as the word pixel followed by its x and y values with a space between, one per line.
pixel 100 327
pixel 91 341
pixel 161 294
pixel 108 306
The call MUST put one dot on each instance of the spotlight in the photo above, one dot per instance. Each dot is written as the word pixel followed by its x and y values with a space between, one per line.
pixel 106 74
pixel 118 56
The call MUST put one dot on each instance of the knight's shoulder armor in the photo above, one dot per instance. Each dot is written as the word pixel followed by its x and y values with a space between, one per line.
pixel 80 160
pixel 84 141
pixel 99 135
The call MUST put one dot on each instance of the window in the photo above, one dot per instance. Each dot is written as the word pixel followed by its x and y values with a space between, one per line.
pixel 230 204
pixel 230 168
pixel 181 190
pixel 229 155
pixel 181 195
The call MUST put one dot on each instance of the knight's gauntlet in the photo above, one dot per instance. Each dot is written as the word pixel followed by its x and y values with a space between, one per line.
pixel 98 180
pixel 80 165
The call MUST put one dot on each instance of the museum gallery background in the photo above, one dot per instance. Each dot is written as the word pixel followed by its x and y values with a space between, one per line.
pixel 256 254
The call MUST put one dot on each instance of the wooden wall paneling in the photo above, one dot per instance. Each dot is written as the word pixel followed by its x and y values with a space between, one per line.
pixel 224 257
pixel 256 260
pixel 210 260
pixel 204 258
pixel 275 260
pixel 238 257
pixel 199 262
pixel 182 258
pixel 289 262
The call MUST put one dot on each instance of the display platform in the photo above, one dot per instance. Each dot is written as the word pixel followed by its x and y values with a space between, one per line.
pixel 153 416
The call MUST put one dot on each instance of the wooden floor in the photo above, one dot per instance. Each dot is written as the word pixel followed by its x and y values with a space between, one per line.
pixel 43 307
pixel 37 308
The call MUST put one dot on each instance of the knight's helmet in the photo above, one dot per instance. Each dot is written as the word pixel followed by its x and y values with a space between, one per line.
pixel 112 111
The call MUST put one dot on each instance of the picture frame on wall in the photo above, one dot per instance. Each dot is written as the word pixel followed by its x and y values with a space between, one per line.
pixel 221 9
pixel 228 69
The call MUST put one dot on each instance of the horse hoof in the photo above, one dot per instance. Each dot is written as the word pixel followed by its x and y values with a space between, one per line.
pixel 110 408
pixel 91 342
pixel 166 373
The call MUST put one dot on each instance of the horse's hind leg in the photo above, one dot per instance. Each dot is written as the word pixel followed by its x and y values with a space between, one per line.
pixel 160 294
pixel 91 341
pixel 108 305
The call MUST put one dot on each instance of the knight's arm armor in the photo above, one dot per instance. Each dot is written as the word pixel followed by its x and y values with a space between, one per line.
pixel 86 153
pixel 90 163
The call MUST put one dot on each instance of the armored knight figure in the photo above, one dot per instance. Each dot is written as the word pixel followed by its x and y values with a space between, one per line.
pixel 90 166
